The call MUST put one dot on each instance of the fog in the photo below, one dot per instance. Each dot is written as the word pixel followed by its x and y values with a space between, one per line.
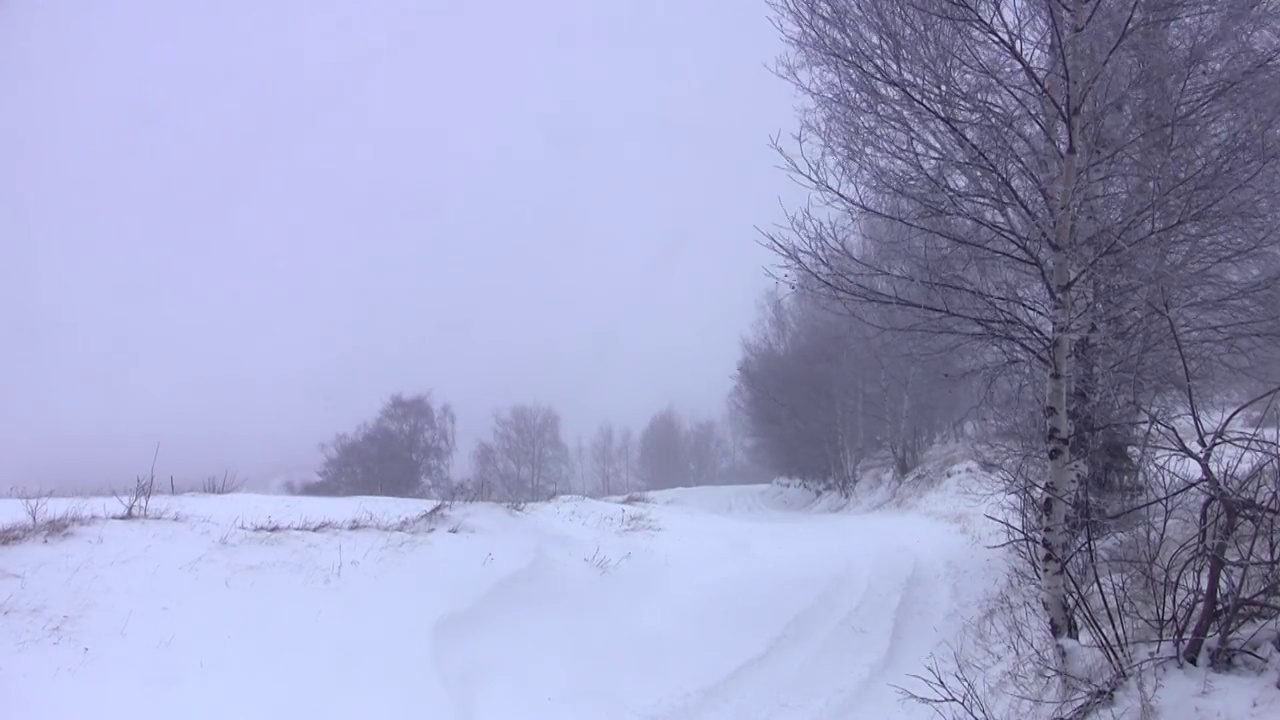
pixel 233 228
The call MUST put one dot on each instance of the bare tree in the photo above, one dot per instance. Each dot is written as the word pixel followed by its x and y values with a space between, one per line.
pixel 662 459
pixel 1029 180
pixel 736 428
pixel 821 392
pixel 408 449
pixel 627 457
pixel 606 458
pixel 580 461
pixel 707 451
pixel 793 387
pixel 525 458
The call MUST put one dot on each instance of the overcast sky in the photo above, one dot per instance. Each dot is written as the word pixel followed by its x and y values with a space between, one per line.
pixel 233 227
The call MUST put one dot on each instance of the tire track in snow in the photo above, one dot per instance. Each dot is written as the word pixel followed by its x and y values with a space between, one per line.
pixel 833 659
pixel 456 663
pixel 463 648
pixel 872 597
pixel 738 694
pixel 910 637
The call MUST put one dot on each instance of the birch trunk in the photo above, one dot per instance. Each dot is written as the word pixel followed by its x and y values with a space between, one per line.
pixel 861 448
pixel 1062 477
pixel 843 460
pixel 1060 485
pixel 906 439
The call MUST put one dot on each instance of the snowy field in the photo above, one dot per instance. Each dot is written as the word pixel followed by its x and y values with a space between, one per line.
pixel 747 603
pixel 711 603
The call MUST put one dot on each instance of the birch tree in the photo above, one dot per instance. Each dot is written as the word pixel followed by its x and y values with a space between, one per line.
pixel 1029 178
pixel 627 457
pixel 525 458
pixel 735 427
pixel 580 462
pixel 606 458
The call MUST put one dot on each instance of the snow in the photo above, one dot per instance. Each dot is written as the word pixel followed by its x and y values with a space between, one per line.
pixel 720 603
pixel 707 603
pixel 1194 694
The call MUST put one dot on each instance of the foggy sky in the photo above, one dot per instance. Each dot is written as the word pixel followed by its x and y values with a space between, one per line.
pixel 233 227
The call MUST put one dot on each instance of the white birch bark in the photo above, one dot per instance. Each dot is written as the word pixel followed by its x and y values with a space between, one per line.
pixel 1062 476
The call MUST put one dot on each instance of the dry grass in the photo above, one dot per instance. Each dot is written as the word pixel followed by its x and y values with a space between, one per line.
pixel 230 482
pixel 638 521
pixel 45 526
pixel 426 521
pixel 603 563
pixel 637 498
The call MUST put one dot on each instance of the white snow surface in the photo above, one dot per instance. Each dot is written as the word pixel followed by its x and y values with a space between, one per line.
pixel 734 603
pixel 716 603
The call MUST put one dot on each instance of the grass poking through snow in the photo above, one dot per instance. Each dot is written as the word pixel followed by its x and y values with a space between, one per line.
pixel 426 521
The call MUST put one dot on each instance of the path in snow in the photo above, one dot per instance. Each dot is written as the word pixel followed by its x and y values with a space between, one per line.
pixel 709 604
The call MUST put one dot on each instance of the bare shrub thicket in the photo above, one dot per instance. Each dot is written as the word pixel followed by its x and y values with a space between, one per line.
pixel 1184 570
pixel 34 506
pixel 48 525
pixel 41 520
pixel 1190 569
pixel 135 502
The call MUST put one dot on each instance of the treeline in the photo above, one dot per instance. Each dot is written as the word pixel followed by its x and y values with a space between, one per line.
pixel 409 450
pixel 825 394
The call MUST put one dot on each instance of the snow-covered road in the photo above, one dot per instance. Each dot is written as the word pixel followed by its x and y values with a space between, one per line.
pixel 727 603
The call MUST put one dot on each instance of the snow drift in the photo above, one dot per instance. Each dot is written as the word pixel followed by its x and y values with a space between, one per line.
pixel 709 603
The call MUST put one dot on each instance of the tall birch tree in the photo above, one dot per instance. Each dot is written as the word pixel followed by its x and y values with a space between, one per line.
pixel 1028 178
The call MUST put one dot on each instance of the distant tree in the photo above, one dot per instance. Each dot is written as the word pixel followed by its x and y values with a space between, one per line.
pixel 627 457
pixel 606 458
pixel 583 464
pixel 799 388
pixel 818 392
pixel 406 451
pixel 736 430
pixel 707 452
pixel 662 460
pixel 525 458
